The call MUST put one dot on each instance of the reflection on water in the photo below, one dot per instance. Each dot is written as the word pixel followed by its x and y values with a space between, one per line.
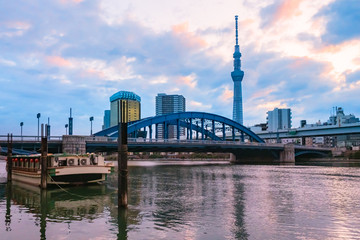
pixel 28 208
pixel 192 202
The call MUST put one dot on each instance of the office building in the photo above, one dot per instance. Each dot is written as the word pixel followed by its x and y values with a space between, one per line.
pixel 279 119
pixel 132 104
pixel 106 119
pixel 237 76
pixel 166 104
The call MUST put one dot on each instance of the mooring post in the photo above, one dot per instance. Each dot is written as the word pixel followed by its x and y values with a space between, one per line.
pixel 44 151
pixel 43 213
pixel 122 223
pixel 122 158
pixel 8 207
pixel 9 158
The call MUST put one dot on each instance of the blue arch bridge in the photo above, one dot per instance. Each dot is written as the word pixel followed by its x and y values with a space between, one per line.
pixel 178 132
pixel 205 126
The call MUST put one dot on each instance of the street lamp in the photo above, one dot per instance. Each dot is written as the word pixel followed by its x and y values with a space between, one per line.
pixel 21 125
pixel 38 117
pixel 91 119
pixel 66 126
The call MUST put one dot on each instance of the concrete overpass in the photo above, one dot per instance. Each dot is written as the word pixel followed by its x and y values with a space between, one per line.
pixel 329 130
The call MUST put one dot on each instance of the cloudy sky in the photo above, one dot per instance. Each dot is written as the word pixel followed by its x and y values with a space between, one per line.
pixel 298 54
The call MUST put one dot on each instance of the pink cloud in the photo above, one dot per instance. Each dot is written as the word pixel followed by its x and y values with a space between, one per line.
pixel 189 80
pixel 325 72
pixel 180 28
pixel 299 62
pixel 246 22
pixel 198 106
pixel 71 1
pixel 18 25
pixel 14 28
pixel 287 9
pixel 261 93
pixel 226 95
pixel 357 61
pixel 58 61
pixel 269 105
pixel 329 49
pixel 90 72
pixel 335 48
pixel 187 38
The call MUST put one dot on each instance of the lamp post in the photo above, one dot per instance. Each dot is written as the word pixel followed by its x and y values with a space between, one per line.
pixel 91 119
pixel 21 125
pixel 66 126
pixel 38 117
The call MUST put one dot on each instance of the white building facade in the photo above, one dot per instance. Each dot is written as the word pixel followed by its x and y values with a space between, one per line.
pixel 278 119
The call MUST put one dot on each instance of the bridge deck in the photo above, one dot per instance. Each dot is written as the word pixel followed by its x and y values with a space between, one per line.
pixel 108 144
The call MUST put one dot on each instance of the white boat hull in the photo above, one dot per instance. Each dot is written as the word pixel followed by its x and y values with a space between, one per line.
pixel 69 175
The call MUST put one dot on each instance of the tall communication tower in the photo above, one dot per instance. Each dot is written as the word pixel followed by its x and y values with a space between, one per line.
pixel 237 76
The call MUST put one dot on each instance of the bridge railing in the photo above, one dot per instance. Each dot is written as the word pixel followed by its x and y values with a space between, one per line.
pixel 18 138
pixel 178 141
pixel 181 141
pixel 312 147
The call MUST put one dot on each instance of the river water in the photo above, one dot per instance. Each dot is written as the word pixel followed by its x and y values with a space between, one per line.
pixel 191 201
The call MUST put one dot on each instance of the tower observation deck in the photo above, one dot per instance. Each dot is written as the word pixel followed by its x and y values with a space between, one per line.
pixel 237 76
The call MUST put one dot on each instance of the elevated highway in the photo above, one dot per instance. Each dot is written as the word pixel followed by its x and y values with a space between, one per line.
pixel 329 130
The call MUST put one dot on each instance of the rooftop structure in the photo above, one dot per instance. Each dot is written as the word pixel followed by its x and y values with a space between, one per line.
pixel 125 95
pixel 340 118
pixel 132 104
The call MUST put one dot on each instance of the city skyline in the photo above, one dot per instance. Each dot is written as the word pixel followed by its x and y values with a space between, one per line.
pixel 64 54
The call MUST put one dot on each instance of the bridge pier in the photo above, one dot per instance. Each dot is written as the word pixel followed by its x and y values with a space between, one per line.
pixel 287 155
pixel 73 144
pixel 251 158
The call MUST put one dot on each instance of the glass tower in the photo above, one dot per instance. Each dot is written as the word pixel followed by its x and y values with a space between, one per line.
pixel 166 104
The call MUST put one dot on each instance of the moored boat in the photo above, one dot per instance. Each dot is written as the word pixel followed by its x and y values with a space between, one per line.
pixel 63 169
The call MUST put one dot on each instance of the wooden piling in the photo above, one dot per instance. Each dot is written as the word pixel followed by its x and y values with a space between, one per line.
pixel 44 152
pixel 9 158
pixel 122 156
pixel 8 207
pixel 122 224
pixel 43 213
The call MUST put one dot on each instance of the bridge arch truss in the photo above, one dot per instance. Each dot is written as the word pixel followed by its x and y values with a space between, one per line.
pixel 192 125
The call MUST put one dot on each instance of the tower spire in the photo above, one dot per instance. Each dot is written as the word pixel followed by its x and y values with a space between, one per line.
pixel 236 29
pixel 237 54
pixel 237 76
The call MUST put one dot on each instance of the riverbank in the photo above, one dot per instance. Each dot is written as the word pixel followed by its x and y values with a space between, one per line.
pixel 334 162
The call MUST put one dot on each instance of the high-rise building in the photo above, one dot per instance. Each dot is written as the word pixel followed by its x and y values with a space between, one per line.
pixel 237 76
pixel 130 101
pixel 106 119
pixel 278 119
pixel 166 104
